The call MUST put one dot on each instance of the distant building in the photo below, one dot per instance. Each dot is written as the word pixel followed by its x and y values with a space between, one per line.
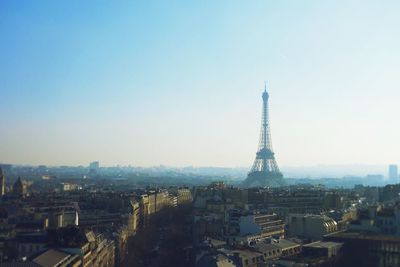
pixel 48 177
pixel 332 200
pixel 247 228
pixel 19 188
pixel 270 251
pixel 93 249
pixel 184 196
pixel 215 259
pixel 376 179
pixel 64 247
pixel 310 226
pixel 367 249
pixel 7 168
pixel 144 210
pixel 173 201
pixel 283 202
pixel 95 165
pixel 323 249
pixel 277 248
pixel 2 185
pixel 134 217
pixel 287 248
pixel 151 203
pixel 54 257
pixel 42 169
pixel 161 200
pixel 261 224
pixel 393 173
pixel 68 187
pixel 29 244
pixel 247 258
pixel 378 219
pixel 94 168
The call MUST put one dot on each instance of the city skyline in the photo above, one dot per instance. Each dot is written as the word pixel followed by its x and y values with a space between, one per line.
pixel 179 85
pixel 199 133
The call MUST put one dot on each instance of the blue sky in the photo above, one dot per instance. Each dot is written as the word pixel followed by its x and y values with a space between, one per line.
pixel 179 82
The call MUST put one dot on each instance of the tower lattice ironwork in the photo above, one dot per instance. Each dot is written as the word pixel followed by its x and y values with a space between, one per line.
pixel 265 171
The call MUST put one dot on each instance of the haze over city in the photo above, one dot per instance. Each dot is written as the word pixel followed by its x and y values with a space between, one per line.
pixel 179 83
pixel 199 133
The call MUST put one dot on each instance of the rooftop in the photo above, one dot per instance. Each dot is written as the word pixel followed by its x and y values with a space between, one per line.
pixel 362 236
pixel 51 258
pixel 285 244
pixel 323 244
pixel 20 264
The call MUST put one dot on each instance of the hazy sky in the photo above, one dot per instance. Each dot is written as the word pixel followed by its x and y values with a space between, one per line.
pixel 180 82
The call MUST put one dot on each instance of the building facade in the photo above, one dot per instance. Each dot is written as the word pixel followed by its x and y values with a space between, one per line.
pixel 310 226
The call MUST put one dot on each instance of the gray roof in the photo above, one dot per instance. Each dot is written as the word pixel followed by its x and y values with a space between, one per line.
pixel 284 244
pixel 51 258
pixel 323 244
pixel 20 264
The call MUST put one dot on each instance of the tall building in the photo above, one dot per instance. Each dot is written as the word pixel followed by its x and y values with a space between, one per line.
pixel 94 168
pixel 265 171
pixel 19 188
pixel 393 173
pixel 184 196
pixel 95 165
pixel 2 185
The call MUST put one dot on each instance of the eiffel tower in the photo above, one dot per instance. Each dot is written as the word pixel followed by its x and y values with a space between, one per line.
pixel 265 171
